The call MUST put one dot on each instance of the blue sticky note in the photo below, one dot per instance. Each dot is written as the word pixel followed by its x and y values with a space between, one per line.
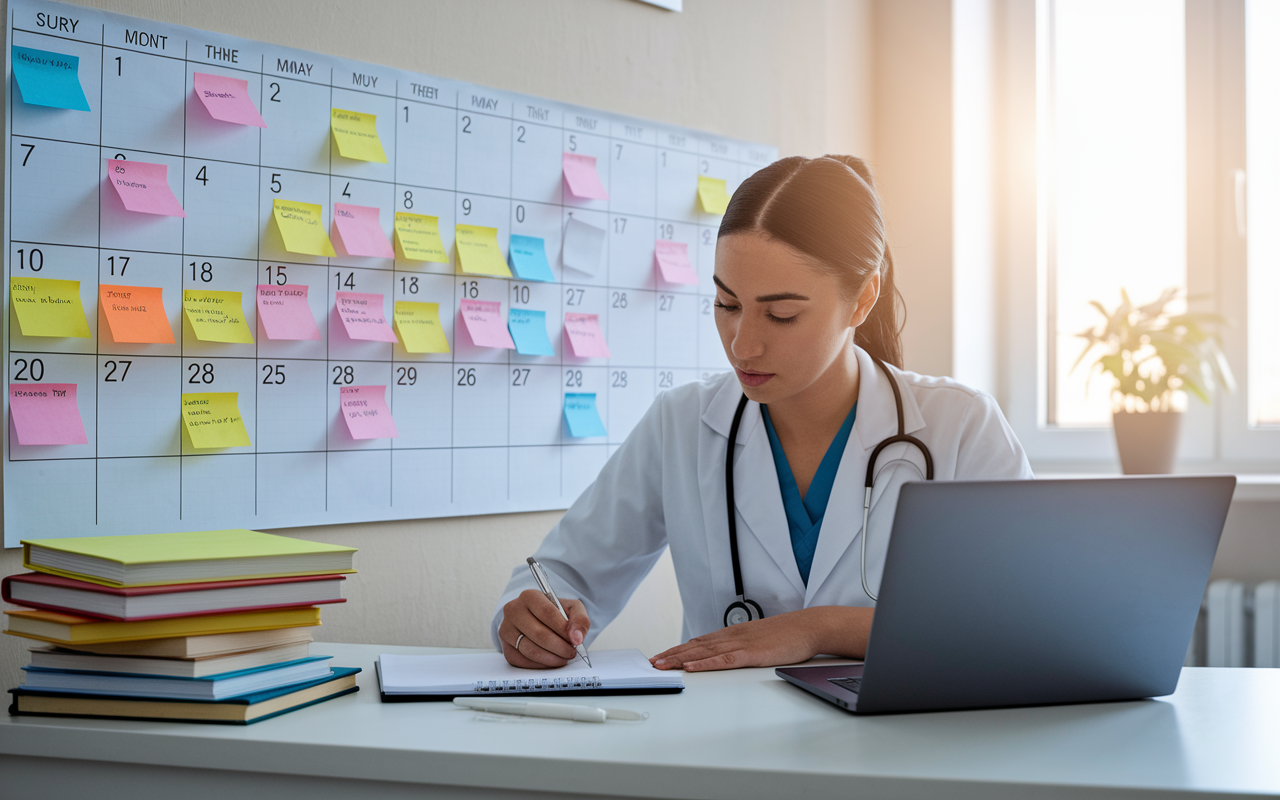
pixel 529 332
pixel 49 79
pixel 529 258
pixel 581 414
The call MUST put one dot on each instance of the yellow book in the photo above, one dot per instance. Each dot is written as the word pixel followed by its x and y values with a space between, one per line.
pixel 51 626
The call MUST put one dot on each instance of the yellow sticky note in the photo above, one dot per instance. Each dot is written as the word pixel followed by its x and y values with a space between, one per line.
pixel 213 419
pixel 301 227
pixel 48 307
pixel 356 135
pixel 418 238
pixel 712 195
pixel 478 251
pixel 419 327
pixel 216 316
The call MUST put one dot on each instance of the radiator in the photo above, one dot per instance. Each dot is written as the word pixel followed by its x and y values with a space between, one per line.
pixel 1239 626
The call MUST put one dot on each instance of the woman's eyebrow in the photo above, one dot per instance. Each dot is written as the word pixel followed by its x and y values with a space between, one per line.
pixel 723 288
pixel 764 298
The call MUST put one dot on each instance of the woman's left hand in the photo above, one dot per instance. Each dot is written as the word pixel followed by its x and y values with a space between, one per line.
pixel 785 639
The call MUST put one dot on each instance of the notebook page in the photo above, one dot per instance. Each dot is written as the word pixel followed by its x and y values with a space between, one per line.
pixel 414 674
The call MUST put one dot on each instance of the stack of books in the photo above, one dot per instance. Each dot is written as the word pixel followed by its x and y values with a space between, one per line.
pixel 209 626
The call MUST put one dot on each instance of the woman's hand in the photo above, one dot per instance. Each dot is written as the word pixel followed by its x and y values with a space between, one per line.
pixel 535 636
pixel 785 639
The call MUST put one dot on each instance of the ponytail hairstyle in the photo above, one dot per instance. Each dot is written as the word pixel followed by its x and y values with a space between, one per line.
pixel 827 209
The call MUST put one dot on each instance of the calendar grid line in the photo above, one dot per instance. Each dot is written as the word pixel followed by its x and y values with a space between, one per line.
pixel 97 340
pixel 257 242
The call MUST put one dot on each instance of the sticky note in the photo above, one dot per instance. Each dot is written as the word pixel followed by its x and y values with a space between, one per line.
pixel 49 79
pixel 529 258
pixel 585 336
pixel 712 195
pixel 529 331
pixel 212 419
pixel 483 319
pixel 365 410
pixel 285 313
pixel 356 135
pixel 419 238
pixel 135 314
pixel 144 187
pixel 581 414
pixel 419 327
pixel 301 227
pixel 478 251
pixel 363 318
pixel 46 413
pixel 227 99
pixel 216 316
pixel 582 178
pixel 357 231
pixel 673 262
pixel 48 307
pixel 583 245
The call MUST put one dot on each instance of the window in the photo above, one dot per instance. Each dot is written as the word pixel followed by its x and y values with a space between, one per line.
pixel 1262 143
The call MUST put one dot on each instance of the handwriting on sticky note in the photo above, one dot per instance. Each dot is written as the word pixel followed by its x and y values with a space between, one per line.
pixel 673 262
pixel 216 316
pixel 212 419
pixel 483 320
pixel 479 252
pixel 419 238
pixel 143 187
pixel 49 79
pixel 365 410
pixel 583 246
pixel 46 414
pixel 419 327
pixel 712 195
pixel 583 179
pixel 585 336
pixel 529 258
pixel 135 314
pixel 48 307
pixel 581 414
pixel 227 99
pixel 359 233
pixel 301 227
pixel 285 313
pixel 363 318
pixel 529 331
pixel 356 135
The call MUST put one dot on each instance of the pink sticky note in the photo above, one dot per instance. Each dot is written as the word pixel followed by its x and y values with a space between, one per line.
pixel 585 335
pixel 284 312
pixel 357 231
pixel 580 173
pixel 483 319
pixel 144 187
pixel 46 413
pixel 227 99
pixel 362 316
pixel 673 262
pixel 365 410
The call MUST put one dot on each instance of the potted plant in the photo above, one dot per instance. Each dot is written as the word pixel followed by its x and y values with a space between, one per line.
pixel 1154 357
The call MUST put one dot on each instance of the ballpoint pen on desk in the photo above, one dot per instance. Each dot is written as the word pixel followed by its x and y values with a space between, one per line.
pixel 548 710
pixel 545 586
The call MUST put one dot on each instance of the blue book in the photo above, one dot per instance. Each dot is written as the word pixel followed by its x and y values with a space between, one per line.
pixel 212 687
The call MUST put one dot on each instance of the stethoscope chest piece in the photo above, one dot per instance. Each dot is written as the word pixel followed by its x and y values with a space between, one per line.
pixel 740 611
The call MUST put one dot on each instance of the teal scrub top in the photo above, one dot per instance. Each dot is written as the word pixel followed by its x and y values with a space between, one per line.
pixel 804 516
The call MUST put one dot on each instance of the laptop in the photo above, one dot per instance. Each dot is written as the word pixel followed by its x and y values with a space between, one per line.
pixel 1033 592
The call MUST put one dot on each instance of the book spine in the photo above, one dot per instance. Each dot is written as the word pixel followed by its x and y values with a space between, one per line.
pixel 207 613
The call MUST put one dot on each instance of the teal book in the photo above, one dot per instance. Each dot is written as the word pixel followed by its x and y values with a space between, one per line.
pixel 213 687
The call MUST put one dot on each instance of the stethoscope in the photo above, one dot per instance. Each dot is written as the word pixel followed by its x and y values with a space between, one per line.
pixel 744 609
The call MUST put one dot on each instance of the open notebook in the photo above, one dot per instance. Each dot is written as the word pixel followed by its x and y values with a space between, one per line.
pixel 411 677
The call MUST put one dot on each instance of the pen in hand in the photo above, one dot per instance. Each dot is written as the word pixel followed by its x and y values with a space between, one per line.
pixel 545 586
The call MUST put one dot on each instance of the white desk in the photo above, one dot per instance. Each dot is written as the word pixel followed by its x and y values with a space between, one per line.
pixel 733 735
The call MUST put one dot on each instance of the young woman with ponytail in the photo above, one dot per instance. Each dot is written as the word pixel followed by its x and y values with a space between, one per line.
pixel 805 308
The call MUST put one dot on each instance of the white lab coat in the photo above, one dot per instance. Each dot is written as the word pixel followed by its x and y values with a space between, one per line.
pixel 665 488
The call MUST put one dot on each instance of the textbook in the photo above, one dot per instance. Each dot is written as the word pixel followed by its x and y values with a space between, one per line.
pixel 217 644
pixel 56 593
pixel 405 678
pixel 57 658
pixel 212 687
pixel 241 710
pixel 192 557
pixel 58 628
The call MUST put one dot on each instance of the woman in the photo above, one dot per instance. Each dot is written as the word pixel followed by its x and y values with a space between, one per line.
pixel 804 308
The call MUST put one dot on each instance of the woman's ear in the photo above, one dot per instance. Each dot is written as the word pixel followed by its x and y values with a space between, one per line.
pixel 866 301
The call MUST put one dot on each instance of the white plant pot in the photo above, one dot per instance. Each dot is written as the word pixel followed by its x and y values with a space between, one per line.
pixel 1147 441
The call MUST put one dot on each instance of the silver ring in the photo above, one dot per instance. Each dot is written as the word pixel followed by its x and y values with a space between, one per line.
pixel 518 638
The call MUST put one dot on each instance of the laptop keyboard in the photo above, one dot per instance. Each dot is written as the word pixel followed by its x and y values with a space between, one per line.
pixel 852 684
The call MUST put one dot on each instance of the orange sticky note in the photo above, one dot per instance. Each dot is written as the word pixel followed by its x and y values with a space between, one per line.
pixel 135 314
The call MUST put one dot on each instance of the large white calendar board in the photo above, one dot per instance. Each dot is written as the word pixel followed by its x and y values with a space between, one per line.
pixel 480 430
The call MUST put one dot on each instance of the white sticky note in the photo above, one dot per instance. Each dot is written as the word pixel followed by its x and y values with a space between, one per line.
pixel 583 246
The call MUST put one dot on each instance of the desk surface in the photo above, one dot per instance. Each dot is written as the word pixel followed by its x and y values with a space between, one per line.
pixel 740 734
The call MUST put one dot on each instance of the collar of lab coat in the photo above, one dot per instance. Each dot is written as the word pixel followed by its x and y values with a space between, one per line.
pixel 758 497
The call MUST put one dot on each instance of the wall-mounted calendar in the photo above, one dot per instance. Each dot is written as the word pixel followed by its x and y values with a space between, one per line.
pixel 257 287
